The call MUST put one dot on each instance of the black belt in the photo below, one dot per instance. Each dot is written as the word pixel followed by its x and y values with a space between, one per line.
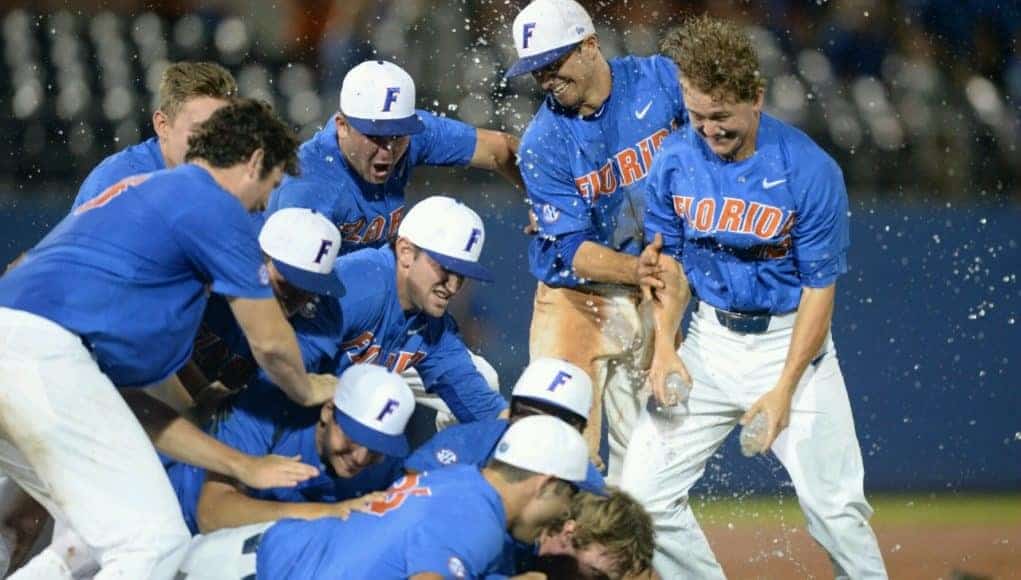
pixel 251 546
pixel 756 253
pixel 742 322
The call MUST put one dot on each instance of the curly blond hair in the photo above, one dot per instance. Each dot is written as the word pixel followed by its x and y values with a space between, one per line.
pixel 716 57
pixel 616 521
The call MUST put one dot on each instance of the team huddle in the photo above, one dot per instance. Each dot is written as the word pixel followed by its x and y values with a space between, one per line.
pixel 208 367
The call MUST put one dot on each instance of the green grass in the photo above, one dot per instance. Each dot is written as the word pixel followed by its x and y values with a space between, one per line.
pixel 917 509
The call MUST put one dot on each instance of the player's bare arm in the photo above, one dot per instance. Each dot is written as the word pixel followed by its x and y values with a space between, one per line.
pixel 597 263
pixel 811 325
pixel 275 348
pixel 224 504
pixel 180 439
pixel 497 151
pixel 668 305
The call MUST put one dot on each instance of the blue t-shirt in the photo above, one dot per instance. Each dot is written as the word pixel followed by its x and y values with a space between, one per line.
pixel 368 214
pixel 144 157
pixel 585 175
pixel 260 421
pixel 474 444
pixel 751 233
pixel 130 271
pixel 368 325
pixel 450 522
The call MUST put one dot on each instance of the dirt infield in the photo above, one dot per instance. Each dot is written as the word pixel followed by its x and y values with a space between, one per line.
pixel 747 551
pixel 932 540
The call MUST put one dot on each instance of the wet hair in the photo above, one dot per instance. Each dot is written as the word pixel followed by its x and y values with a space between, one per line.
pixel 716 57
pixel 615 521
pixel 186 80
pixel 522 407
pixel 234 132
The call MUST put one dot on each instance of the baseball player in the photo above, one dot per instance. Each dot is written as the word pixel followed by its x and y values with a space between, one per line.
pixel 396 313
pixel 301 246
pixel 355 441
pixel 448 523
pixel 113 296
pixel 355 169
pixel 603 536
pixel 584 159
pixel 189 93
pixel 757 215
pixel 546 387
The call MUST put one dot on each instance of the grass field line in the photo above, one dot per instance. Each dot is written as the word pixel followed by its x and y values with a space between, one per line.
pixel 890 509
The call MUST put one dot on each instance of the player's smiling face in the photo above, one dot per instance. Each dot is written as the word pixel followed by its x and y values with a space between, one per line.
pixel 570 78
pixel 551 502
pixel 728 127
pixel 374 158
pixel 174 132
pixel 344 457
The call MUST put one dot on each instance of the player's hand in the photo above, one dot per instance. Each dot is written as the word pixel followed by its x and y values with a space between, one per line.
pixel 344 508
pixel 663 364
pixel 650 271
pixel 533 224
pixel 274 471
pixel 776 404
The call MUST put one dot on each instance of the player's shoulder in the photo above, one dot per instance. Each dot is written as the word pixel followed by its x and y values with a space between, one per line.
pixel 142 157
pixel 634 67
pixel 805 158
pixel 369 277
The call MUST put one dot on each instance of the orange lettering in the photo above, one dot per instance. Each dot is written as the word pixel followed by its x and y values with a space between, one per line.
pixel 704 214
pixel 375 230
pixel 630 170
pixel 682 205
pixel 730 215
pixel 768 222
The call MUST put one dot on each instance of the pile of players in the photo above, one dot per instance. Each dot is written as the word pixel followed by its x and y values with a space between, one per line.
pixel 267 315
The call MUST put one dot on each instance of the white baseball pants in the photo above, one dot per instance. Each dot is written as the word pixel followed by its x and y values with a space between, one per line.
pixel 227 553
pixel 70 441
pixel 819 449
pixel 444 417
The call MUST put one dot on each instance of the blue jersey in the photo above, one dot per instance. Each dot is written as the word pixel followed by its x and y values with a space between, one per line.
pixel 368 214
pixel 368 325
pixel 450 522
pixel 262 421
pixel 751 233
pixel 585 175
pixel 474 444
pixel 144 157
pixel 130 270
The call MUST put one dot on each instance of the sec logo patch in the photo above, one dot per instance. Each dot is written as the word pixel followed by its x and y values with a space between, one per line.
pixel 263 275
pixel 446 456
pixel 456 567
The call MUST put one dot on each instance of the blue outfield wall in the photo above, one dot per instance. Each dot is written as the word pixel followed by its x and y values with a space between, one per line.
pixel 927 327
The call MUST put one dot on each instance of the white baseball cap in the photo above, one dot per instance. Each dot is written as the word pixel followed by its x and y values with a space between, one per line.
pixel 450 232
pixel 557 382
pixel 546 30
pixel 545 444
pixel 372 406
pixel 303 246
pixel 378 98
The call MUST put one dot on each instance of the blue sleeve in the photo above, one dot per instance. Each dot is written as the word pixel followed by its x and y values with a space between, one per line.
pixel 449 372
pixel 552 257
pixel 319 337
pixel 821 233
pixel 552 192
pixel 443 142
pixel 94 184
pixel 660 216
pixel 450 440
pixel 222 244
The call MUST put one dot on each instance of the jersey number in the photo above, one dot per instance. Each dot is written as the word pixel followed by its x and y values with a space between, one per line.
pixel 405 486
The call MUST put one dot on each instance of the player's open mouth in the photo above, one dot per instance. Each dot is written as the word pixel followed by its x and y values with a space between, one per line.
pixel 559 88
pixel 381 169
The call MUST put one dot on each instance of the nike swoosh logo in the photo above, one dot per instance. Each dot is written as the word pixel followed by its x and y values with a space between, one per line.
pixel 766 184
pixel 641 113
pixel 415 331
